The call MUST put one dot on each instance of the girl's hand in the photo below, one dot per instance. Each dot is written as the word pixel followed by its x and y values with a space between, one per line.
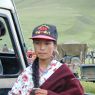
pixel 41 92
pixel 31 56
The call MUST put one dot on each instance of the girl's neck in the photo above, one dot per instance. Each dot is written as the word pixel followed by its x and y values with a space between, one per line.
pixel 44 63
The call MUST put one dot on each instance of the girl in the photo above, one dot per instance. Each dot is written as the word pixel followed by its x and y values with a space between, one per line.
pixel 46 76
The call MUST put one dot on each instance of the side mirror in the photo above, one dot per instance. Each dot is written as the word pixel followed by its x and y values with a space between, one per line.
pixel 2 29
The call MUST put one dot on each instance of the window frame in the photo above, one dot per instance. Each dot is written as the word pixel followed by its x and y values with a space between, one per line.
pixel 7 16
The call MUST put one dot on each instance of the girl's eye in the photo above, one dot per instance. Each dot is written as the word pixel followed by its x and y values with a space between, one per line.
pixel 36 42
pixel 47 43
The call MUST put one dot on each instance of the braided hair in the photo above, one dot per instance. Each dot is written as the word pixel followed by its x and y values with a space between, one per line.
pixel 35 74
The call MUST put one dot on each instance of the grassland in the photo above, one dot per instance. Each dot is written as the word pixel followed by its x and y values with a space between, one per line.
pixel 89 87
pixel 75 21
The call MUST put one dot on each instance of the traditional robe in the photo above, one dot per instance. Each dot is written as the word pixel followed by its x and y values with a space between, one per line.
pixel 57 79
pixel 63 82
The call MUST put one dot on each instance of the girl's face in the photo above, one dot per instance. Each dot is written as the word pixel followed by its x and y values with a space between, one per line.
pixel 44 48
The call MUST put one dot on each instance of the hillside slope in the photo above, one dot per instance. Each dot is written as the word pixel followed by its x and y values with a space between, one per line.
pixel 75 19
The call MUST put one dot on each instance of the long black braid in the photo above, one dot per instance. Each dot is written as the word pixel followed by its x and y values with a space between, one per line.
pixel 35 74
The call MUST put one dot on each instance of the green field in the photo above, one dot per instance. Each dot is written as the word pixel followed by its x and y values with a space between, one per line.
pixel 75 21
pixel 89 87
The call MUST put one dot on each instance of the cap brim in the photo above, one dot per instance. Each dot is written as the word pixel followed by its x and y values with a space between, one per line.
pixel 42 37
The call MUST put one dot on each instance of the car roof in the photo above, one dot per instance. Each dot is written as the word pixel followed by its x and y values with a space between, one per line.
pixel 7 4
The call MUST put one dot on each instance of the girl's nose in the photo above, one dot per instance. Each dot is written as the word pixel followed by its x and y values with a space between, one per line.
pixel 42 46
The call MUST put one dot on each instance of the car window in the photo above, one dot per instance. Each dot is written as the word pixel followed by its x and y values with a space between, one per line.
pixel 8 58
pixel 5 42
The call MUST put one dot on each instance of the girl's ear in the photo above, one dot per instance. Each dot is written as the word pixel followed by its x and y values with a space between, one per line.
pixel 55 46
pixel 56 51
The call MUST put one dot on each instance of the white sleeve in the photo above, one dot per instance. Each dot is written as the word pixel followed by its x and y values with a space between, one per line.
pixel 17 86
pixel 23 84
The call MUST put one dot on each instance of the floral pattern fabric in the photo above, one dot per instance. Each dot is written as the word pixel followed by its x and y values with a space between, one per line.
pixel 24 83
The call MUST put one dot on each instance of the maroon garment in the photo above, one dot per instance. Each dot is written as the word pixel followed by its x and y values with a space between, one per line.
pixel 63 82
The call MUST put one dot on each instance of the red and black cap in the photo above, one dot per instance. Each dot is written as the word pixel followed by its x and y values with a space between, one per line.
pixel 45 31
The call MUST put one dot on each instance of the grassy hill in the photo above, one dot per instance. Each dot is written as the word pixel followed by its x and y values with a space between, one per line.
pixel 75 19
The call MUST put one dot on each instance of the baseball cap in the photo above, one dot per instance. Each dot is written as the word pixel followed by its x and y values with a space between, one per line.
pixel 45 31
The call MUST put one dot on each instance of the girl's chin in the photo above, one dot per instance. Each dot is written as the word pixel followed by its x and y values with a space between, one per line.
pixel 43 57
